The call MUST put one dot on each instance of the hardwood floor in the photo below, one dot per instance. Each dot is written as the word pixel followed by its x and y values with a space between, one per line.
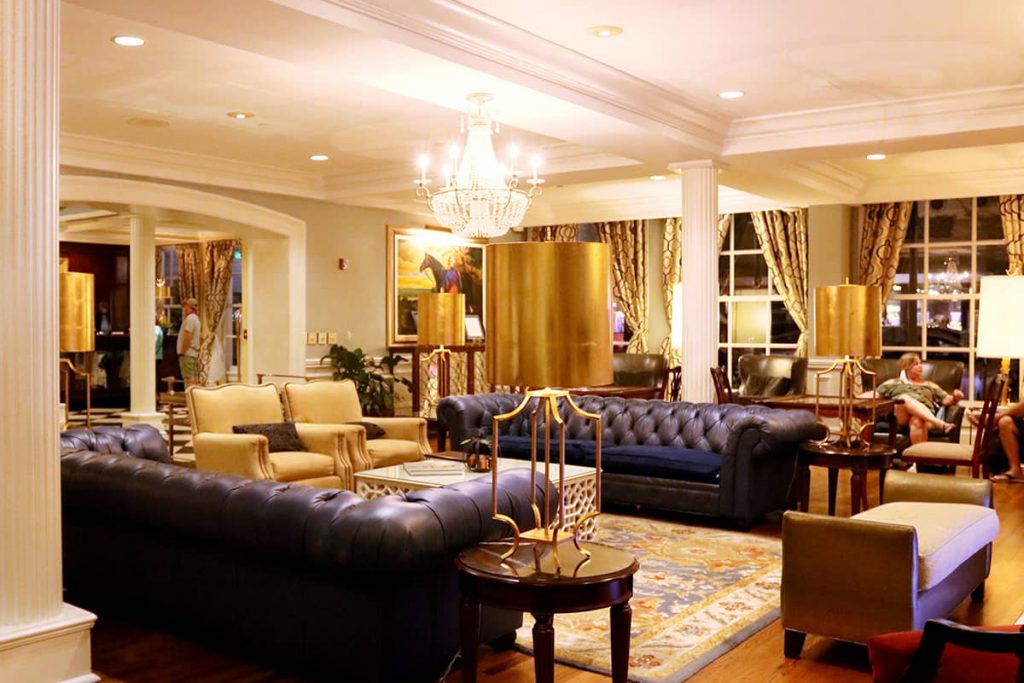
pixel 131 654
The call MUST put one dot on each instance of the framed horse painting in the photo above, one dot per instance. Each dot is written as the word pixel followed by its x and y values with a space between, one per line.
pixel 429 260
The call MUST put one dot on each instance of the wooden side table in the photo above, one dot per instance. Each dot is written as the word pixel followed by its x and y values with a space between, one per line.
pixel 538 580
pixel 835 457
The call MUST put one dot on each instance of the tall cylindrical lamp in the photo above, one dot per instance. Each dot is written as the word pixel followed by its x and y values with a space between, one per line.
pixel 549 324
pixel 441 322
pixel 77 332
pixel 1000 330
pixel 848 324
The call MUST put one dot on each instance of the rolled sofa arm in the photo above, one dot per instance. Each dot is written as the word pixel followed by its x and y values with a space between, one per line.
pixel 247 455
pixel 824 559
pixel 341 442
pixel 935 488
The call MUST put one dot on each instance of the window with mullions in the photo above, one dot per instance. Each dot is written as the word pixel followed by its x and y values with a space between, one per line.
pixel 752 316
pixel 933 307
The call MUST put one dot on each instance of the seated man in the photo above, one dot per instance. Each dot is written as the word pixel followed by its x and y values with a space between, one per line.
pixel 1009 424
pixel 921 399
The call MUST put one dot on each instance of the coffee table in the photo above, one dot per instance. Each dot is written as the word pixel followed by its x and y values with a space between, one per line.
pixel 580 486
pixel 836 456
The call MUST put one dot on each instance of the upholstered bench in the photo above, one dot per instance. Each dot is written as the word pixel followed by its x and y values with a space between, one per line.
pixel 890 568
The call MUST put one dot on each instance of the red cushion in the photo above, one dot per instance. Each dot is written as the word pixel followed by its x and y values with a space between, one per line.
pixel 891 654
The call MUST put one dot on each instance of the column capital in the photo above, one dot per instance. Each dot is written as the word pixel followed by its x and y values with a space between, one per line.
pixel 680 166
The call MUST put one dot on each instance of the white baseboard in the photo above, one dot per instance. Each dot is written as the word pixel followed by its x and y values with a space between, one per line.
pixel 57 650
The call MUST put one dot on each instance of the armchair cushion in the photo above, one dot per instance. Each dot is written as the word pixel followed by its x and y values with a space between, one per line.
pixel 218 409
pixel 373 431
pixel 323 402
pixel 948 534
pixel 281 436
pixel 301 465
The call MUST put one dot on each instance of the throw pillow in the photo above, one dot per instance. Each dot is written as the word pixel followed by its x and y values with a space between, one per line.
pixel 373 431
pixel 766 385
pixel 281 435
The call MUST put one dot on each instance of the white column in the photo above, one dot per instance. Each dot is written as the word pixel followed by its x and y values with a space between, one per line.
pixel 41 638
pixel 143 322
pixel 700 278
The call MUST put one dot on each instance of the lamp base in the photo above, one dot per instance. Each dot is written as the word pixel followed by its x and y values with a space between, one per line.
pixel 847 434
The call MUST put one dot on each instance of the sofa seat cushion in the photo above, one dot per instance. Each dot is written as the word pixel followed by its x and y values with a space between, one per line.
pixel 387 452
pixel 660 462
pixel 948 534
pixel 518 447
pixel 297 465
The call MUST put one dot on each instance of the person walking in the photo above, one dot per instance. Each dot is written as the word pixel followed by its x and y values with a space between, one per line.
pixel 188 342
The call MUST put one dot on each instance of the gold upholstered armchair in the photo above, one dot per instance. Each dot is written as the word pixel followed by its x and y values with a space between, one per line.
pixel 327 461
pixel 327 402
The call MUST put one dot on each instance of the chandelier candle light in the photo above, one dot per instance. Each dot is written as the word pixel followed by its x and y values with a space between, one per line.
pixel 480 197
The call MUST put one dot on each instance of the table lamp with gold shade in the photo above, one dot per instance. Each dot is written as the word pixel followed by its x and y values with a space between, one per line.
pixel 441 322
pixel 549 317
pixel 1000 329
pixel 848 324
pixel 77 332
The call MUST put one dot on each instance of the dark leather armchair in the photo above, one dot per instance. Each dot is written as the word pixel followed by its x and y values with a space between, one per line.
pixel 948 374
pixel 762 375
pixel 640 370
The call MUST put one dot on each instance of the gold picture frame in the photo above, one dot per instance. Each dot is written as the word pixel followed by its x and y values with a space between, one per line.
pixel 429 260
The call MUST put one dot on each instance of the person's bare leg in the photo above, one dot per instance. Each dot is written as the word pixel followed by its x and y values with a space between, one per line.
pixel 915 408
pixel 1009 437
pixel 918 430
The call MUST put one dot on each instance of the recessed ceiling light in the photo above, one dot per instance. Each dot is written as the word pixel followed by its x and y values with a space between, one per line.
pixel 657 177
pixel 604 31
pixel 318 157
pixel 731 94
pixel 876 156
pixel 128 41
pixel 146 122
pixel 241 115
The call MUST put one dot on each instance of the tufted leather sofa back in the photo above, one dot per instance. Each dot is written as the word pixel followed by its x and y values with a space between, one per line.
pixel 137 440
pixel 625 422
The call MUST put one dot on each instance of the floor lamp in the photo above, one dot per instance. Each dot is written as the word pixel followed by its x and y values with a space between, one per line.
pixel 77 333
pixel 1000 329
pixel 847 323
pixel 549 324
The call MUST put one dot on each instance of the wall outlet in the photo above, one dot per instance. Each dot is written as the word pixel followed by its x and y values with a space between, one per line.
pixel 321 337
pixel 311 337
pixel 332 337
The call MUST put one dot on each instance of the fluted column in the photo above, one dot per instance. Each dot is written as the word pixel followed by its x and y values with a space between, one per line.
pixel 41 638
pixel 143 321
pixel 700 278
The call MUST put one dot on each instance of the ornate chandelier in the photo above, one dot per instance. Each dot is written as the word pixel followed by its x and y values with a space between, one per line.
pixel 480 197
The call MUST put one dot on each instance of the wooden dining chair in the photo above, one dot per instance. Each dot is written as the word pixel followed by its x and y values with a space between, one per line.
pixel 723 388
pixel 953 454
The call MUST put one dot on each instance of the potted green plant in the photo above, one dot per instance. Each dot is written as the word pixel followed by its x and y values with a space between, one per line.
pixel 374 379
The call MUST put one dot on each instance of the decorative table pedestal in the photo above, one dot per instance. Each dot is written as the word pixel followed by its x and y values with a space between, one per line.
pixel 836 456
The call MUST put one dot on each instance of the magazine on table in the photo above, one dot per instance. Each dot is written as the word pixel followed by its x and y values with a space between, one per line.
pixel 434 468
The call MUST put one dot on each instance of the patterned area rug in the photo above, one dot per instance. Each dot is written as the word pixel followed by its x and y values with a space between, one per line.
pixel 699 593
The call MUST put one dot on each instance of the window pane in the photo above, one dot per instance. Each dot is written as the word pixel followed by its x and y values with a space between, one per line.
pixel 949 271
pixel 915 228
pixel 751 275
pixel 743 230
pixel 750 322
pixel 990 223
pixel 947 323
pixel 902 324
pixel 962 358
pixel 723 357
pixel 987 368
pixel 784 330
pixel 949 220
pixel 992 260
pixel 723 322
pixel 723 275
pixel 909 272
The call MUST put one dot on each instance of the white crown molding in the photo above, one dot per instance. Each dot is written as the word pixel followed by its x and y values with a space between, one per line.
pixel 114 156
pixel 459 32
pixel 879 123
pixel 831 179
pixel 982 183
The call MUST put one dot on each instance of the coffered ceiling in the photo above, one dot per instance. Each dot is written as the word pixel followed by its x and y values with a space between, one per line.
pixel 937 86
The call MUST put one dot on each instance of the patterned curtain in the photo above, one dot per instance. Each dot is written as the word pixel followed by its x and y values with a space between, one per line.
pixel 553 233
pixel 628 241
pixel 218 258
pixel 672 266
pixel 724 225
pixel 1011 207
pixel 885 226
pixel 783 238
pixel 189 269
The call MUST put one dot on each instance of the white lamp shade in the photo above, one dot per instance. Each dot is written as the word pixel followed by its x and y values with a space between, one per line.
pixel 1000 325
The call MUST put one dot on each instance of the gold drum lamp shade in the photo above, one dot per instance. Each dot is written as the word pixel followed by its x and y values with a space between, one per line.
pixel 441 319
pixel 77 326
pixel 848 320
pixel 549 314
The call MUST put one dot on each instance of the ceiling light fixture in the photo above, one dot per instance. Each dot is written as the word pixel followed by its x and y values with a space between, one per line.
pixel 604 31
pixel 875 156
pixel 657 177
pixel 241 115
pixel 318 157
pixel 480 197
pixel 128 41
pixel 731 94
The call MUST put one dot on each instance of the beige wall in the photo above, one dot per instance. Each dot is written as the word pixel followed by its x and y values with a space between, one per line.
pixel 657 324
pixel 829 252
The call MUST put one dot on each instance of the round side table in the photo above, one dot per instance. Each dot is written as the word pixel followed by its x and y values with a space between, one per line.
pixel 835 457
pixel 540 580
